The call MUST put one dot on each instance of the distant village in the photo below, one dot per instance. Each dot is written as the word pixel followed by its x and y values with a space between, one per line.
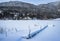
pixel 15 15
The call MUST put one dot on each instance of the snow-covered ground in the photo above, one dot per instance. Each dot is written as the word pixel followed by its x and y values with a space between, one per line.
pixel 14 30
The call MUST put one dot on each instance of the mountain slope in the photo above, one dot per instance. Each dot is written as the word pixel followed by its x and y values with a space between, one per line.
pixel 51 9
pixel 17 3
pixel 42 11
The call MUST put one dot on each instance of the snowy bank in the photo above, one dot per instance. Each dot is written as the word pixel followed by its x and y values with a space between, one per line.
pixel 17 28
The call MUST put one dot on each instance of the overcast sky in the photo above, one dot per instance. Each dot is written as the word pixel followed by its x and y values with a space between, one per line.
pixel 32 1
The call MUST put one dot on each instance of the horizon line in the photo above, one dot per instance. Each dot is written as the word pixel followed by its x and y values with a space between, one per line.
pixel 28 2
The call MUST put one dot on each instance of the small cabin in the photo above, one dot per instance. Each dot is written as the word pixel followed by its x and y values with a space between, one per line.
pixel 0 11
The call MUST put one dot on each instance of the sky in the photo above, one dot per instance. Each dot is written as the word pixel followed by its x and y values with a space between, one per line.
pixel 36 2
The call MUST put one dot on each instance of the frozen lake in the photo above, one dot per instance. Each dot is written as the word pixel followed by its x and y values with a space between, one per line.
pixel 15 29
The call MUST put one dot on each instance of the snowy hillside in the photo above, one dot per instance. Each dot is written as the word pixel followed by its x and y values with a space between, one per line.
pixel 16 30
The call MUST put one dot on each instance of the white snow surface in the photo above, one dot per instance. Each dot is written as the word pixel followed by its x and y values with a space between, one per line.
pixel 16 29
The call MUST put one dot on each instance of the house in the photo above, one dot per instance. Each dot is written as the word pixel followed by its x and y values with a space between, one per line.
pixel 0 11
pixel 27 18
pixel 15 14
pixel 1 14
